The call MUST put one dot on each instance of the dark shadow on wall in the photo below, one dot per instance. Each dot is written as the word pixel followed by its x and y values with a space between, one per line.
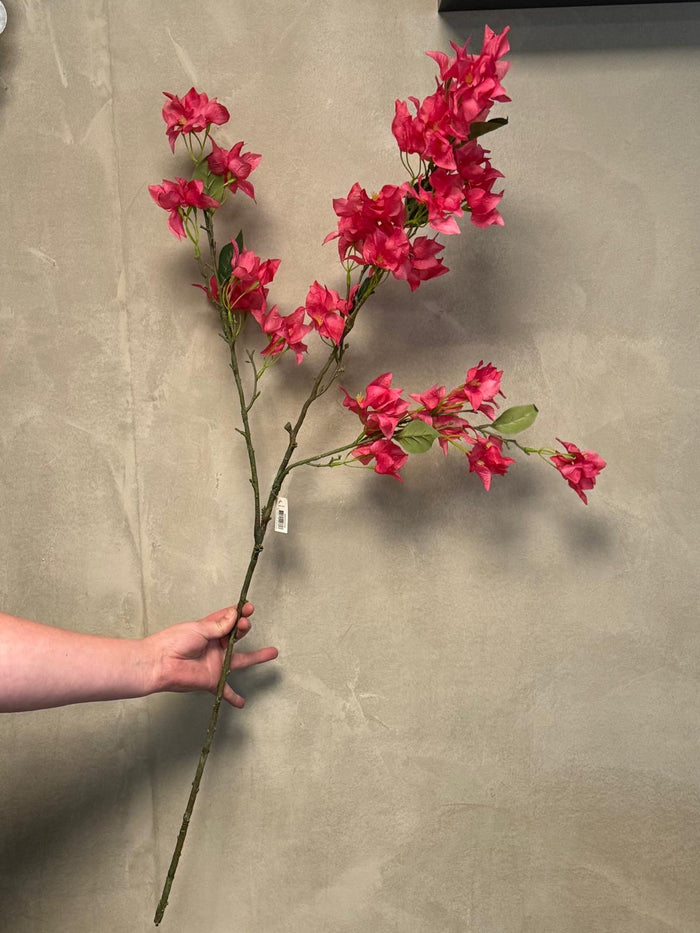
pixel 576 29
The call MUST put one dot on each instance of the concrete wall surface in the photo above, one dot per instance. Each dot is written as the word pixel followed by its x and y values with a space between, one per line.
pixel 484 714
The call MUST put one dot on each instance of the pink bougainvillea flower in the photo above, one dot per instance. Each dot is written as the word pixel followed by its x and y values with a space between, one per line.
pixel 236 164
pixel 422 263
pixel 180 195
pixel 453 69
pixel 435 117
pixel 430 132
pixel 443 412
pixel 408 131
pixel 285 333
pixel 247 267
pixel 328 310
pixel 453 428
pixel 270 321
pixel 473 166
pixel 482 385
pixel 386 251
pixel 361 215
pixel 430 400
pixel 191 114
pixel 381 408
pixel 211 290
pixel 246 288
pixel 388 456
pixel 444 199
pixel 579 468
pixel 432 405
pixel 485 458
pixel 450 427
pixel 371 232
pixel 477 77
pixel 479 177
pixel 293 332
pixel 385 209
pixel 467 88
pixel 483 207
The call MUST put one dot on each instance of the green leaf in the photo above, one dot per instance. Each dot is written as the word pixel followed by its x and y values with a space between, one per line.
pixel 481 129
pixel 516 419
pixel 213 184
pixel 239 240
pixel 417 437
pixel 215 187
pixel 201 171
pixel 363 289
pixel 225 262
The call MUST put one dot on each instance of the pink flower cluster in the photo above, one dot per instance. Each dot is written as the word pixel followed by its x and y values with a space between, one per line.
pixel 442 410
pixel 235 166
pixel 378 232
pixel 191 114
pixel 328 311
pixel 285 332
pixel 383 411
pixel 388 457
pixel 380 410
pixel 579 468
pixel 194 113
pixel 371 231
pixel 245 291
pixel 456 170
pixel 178 198
pixel 246 288
pixel 385 415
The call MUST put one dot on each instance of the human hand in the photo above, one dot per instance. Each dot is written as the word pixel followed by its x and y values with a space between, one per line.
pixel 188 656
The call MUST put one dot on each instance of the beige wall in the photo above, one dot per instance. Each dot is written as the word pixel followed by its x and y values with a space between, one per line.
pixel 484 717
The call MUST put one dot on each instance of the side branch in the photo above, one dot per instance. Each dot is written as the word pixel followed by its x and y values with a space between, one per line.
pixel 245 408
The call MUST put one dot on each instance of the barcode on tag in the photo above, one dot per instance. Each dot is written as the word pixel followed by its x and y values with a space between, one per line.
pixel 281 515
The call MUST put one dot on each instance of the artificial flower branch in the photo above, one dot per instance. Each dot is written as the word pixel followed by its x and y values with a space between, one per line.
pixel 377 236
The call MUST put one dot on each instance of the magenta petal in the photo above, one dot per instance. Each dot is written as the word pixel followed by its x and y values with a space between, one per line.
pixel 446 225
pixel 176 225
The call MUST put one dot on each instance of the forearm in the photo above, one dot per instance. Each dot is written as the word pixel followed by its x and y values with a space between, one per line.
pixel 42 666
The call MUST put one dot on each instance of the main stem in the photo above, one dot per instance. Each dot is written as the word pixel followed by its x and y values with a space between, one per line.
pixel 262 520
pixel 260 524
pixel 206 748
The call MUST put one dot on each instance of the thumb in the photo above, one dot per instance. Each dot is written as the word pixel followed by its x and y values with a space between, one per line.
pixel 218 624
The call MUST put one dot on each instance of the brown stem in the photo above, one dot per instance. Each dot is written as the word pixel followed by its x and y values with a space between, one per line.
pixel 262 520
pixel 206 748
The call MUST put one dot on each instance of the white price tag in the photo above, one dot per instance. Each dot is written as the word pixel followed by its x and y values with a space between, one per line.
pixel 281 515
